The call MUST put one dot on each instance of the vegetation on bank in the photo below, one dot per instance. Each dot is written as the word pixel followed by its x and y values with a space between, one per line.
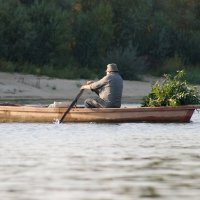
pixel 173 91
pixel 77 38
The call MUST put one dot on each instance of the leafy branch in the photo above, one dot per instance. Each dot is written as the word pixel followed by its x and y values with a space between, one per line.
pixel 173 91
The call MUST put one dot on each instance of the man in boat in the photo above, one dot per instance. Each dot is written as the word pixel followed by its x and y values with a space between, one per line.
pixel 109 89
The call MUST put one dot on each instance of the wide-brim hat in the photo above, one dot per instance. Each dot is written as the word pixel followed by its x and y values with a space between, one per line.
pixel 112 68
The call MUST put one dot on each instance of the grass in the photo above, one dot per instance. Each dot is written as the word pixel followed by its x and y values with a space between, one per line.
pixel 67 72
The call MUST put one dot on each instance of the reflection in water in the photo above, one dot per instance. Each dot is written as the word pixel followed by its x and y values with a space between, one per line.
pixel 100 161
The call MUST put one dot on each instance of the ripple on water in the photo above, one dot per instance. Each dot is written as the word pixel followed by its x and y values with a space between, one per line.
pixel 100 161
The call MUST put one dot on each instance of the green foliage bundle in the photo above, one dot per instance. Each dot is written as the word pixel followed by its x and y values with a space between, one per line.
pixel 174 91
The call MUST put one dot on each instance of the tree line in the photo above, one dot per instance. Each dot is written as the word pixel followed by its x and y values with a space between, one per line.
pixel 77 38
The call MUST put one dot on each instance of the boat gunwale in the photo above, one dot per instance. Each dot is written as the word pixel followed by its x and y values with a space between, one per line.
pixel 96 110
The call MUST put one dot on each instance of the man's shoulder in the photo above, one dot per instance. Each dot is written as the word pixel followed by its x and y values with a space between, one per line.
pixel 115 75
pixel 111 76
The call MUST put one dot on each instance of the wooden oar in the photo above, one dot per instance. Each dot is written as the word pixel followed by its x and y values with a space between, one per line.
pixel 72 104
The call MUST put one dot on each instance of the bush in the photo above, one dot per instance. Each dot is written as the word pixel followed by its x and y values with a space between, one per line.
pixel 193 74
pixel 130 64
pixel 174 91
pixel 171 65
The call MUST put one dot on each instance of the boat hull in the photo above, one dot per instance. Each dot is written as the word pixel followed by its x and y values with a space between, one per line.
pixel 102 115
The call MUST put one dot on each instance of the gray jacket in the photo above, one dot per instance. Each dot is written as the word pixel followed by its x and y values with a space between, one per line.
pixel 109 88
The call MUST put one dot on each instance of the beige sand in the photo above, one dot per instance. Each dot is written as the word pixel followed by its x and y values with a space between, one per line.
pixel 15 87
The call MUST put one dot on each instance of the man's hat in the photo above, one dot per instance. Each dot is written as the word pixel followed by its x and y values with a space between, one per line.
pixel 112 68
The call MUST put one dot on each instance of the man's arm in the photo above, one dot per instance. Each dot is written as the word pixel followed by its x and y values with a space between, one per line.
pixel 95 86
pixel 99 84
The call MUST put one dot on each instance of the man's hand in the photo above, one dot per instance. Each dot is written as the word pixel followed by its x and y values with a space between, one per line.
pixel 89 82
pixel 87 87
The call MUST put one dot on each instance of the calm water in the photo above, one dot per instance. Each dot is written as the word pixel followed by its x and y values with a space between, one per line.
pixel 100 161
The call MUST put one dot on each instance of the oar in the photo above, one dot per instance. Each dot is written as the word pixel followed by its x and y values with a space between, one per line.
pixel 72 104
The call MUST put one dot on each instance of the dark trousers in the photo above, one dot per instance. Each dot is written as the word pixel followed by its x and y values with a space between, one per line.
pixel 95 103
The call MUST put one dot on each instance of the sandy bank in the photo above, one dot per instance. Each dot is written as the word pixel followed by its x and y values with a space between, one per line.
pixel 17 87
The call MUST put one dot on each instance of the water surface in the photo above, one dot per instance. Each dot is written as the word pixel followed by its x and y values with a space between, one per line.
pixel 92 161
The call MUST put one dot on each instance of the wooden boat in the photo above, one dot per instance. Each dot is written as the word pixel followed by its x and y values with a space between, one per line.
pixel 44 114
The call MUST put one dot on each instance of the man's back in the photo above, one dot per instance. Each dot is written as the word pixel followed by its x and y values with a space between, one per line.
pixel 110 89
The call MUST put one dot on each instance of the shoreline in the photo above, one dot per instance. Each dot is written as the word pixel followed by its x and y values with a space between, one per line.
pixel 31 88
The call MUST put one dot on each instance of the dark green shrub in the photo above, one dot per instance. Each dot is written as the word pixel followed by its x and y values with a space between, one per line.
pixel 193 74
pixel 130 64
pixel 174 91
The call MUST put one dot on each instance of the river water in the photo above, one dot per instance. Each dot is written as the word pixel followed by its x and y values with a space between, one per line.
pixel 100 161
